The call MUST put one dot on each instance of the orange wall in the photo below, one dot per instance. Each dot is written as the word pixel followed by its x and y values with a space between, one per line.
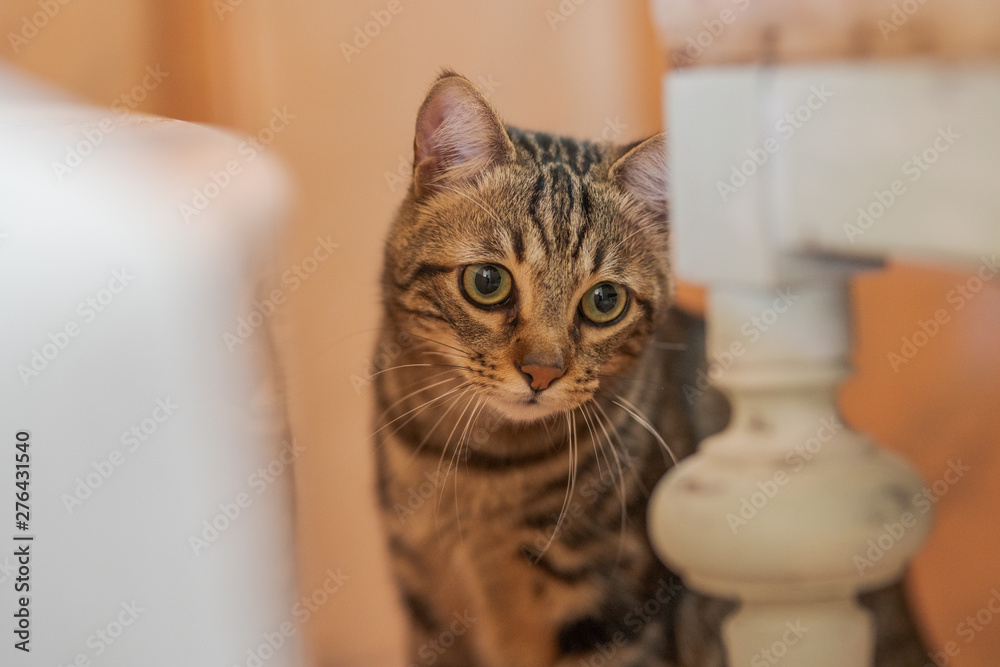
pixel 353 125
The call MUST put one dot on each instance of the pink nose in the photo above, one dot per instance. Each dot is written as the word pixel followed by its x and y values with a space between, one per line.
pixel 541 376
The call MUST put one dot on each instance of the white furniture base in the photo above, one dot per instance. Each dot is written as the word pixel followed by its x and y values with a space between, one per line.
pixel 160 488
pixel 786 180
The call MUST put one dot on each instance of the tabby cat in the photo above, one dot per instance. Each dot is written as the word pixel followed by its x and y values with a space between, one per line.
pixel 534 399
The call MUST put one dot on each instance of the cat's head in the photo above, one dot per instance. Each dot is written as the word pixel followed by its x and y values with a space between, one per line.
pixel 538 264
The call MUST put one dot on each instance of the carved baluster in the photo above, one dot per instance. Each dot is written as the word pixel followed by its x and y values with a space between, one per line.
pixel 778 510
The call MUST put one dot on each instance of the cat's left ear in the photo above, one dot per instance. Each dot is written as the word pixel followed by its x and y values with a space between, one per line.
pixel 458 135
pixel 642 171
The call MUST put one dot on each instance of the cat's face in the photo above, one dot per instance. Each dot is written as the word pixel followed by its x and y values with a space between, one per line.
pixel 537 265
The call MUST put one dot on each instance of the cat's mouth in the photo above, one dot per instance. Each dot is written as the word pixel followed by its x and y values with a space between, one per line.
pixel 528 409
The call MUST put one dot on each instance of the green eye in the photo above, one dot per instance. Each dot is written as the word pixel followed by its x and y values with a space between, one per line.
pixel 487 284
pixel 604 302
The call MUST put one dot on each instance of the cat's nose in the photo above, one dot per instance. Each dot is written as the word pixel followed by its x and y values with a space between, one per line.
pixel 540 377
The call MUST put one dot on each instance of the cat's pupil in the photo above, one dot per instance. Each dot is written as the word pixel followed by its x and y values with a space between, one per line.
pixel 488 279
pixel 605 298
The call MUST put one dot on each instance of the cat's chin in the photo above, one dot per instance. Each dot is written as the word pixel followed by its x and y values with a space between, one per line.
pixel 527 412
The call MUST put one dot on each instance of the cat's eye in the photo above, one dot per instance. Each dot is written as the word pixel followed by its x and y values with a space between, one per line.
pixel 604 302
pixel 487 284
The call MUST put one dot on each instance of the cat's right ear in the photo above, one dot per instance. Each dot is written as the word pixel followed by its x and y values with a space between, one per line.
pixel 458 135
pixel 642 171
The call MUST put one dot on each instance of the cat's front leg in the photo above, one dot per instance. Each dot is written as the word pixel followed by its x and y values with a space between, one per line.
pixel 445 646
pixel 625 652
pixel 543 612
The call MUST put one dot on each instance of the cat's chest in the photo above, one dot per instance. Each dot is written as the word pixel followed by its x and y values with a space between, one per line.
pixel 435 497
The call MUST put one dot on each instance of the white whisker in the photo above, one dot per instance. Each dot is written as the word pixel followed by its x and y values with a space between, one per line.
pixel 462 441
pixel 593 438
pixel 396 368
pixel 622 491
pixel 490 213
pixel 437 342
pixel 427 437
pixel 421 407
pixel 444 450
pixel 441 354
pixel 570 487
pixel 422 389
pixel 633 411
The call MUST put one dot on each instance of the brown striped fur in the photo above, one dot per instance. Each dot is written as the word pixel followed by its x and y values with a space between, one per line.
pixel 516 518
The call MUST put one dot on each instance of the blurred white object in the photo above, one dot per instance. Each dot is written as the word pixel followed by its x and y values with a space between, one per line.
pixel 160 484
pixel 787 180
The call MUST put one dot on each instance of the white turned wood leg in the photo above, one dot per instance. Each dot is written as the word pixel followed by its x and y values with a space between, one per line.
pixel 762 634
pixel 788 510
pixel 757 514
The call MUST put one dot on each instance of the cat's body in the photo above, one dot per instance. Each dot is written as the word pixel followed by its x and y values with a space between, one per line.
pixel 527 293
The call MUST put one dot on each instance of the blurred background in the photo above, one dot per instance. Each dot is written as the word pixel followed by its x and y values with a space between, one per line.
pixel 347 99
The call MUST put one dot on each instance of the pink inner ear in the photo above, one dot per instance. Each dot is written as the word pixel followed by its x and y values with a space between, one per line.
pixel 455 129
pixel 458 133
pixel 644 172
pixel 431 118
